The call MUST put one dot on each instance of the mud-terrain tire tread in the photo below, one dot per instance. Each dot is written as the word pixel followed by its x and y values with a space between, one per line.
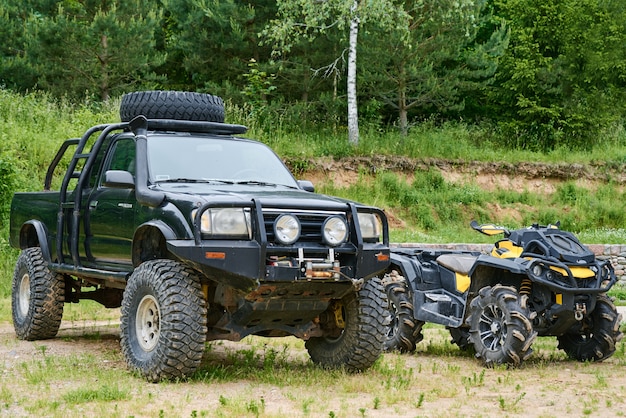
pixel 460 337
pixel 178 105
pixel 404 330
pixel 45 303
pixel 500 302
pixel 182 315
pixel 361 341
pixel 600 343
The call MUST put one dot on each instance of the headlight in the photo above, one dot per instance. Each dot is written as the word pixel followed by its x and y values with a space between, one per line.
pixel 335 231
pixel 370 225
pixel 287 229
pixel 230 223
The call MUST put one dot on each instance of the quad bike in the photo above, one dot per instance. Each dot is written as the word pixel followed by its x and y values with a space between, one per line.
pixel 537 281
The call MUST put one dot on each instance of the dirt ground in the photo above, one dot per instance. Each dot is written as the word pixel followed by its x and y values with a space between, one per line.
pixel 428 383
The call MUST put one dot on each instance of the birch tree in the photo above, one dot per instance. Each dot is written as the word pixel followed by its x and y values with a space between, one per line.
pixel 308 19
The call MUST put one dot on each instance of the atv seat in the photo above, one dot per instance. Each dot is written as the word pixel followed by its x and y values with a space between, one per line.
pixel 460 263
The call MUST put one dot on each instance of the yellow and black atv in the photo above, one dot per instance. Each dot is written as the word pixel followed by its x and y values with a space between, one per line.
pixel 538 280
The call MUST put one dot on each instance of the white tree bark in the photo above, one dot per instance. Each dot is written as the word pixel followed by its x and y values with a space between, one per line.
pixel 353 114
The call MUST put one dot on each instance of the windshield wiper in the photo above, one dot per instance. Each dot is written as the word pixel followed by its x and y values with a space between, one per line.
pixel 186 180
pixel 256 183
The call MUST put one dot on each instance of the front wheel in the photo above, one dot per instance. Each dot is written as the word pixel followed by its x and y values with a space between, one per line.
pixel 500 329
pixel 37 297
pixel 598 336
pixel 163 324
pixel 356 330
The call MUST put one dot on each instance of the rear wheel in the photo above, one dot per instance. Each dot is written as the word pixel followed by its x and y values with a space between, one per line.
pixel 163 326
pixel 404 330
pixel 460 337
pixel 500 329
pixel 37 297
pixel 598 336
pixel 356 330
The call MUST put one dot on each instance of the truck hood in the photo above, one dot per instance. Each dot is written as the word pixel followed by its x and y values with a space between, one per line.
pixel 280 196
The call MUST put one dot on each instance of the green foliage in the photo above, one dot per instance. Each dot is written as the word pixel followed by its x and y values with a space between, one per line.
pixel 562 79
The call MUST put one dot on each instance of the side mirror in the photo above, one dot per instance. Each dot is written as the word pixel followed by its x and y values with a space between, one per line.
pixel 306 185
pixel 119 179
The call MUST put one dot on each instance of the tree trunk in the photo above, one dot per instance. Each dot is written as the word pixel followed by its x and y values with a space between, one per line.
pixel 402 106
pixel 104 65
pixel 353 114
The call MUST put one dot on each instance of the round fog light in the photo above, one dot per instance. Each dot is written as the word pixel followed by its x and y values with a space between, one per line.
pixel 335 231
pixel 287 229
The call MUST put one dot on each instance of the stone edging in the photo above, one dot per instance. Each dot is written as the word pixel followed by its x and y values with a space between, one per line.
pixel 614 252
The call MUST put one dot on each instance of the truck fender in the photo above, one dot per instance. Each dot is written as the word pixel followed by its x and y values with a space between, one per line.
pixel 149 241
pixel 34 234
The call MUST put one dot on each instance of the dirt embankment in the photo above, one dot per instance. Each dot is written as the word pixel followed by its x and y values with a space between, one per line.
pixel 489 175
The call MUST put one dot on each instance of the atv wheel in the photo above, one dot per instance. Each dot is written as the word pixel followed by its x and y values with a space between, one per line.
pixel 37 297
pixel 163 326
pixel 404 330
pixel 460 337
pixel 178 105
pixel 499 327
pixel 356 330
pixel 599 333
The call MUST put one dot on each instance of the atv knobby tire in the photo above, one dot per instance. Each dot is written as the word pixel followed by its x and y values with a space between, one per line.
pixel 460 337
pixel 37 297
pixel 404 330
pixel 360 342
pixel 500 329
pixel 599 334
pixel 163 321
pixel 178 105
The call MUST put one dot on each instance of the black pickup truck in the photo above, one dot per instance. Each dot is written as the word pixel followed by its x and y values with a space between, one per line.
pixel 197 234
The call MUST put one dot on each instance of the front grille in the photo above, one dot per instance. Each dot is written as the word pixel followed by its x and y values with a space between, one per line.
pixel 311 224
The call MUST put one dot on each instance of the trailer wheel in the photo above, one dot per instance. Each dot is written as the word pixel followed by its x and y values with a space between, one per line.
pixel 37 297
pixel 356 330
pixel 598 336
pixel 404 330
pixel 499 327
pixel 163 324
pixel 178 105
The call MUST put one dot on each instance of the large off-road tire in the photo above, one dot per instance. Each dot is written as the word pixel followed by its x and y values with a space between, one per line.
pixel 598 336
pixel 404 330
pixel 163 324
pixel 37 297
pixel 179 105
pixel 500 329
pixel 357 345
pixel 460 337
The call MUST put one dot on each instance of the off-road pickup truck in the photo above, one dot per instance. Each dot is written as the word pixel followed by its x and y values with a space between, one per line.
pixel 197 235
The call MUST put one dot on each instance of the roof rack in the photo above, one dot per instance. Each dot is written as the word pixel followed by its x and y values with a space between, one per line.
pixel 195 126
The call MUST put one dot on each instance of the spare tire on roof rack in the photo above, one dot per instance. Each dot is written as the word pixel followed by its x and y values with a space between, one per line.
pixel 178 105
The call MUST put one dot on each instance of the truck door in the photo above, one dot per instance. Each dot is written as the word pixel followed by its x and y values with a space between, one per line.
pixel 110 213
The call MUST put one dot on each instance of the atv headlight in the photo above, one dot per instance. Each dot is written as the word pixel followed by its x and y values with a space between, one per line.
pixel 228 223
pixel 287 229
pixel 335 231
pixel 370 225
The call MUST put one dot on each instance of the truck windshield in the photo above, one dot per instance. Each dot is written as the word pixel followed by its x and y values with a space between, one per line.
pixel 200 158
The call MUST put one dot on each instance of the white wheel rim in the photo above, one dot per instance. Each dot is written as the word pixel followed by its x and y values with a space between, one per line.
pixel 24 295
pixel 148 323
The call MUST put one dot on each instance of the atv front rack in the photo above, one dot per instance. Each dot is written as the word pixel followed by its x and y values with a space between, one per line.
pixel 546 272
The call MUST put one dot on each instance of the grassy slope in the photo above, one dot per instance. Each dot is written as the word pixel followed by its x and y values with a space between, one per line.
pixel 431 208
